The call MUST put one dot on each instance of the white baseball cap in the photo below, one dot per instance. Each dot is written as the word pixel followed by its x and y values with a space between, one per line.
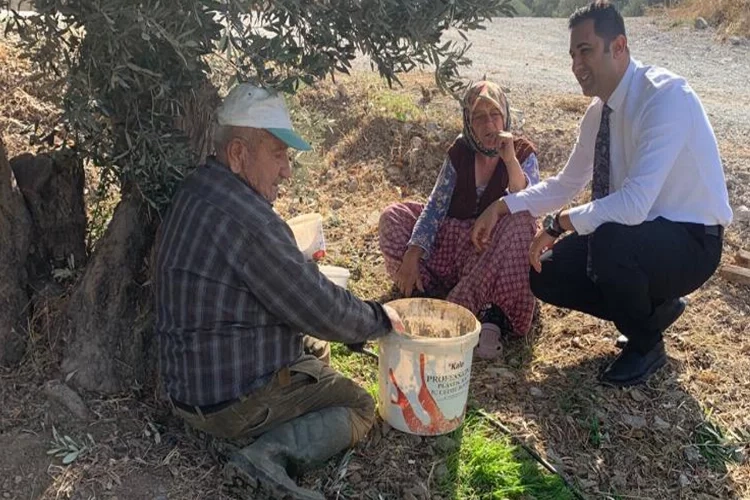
pixel 249 106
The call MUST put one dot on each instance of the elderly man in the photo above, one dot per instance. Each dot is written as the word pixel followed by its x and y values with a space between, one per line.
pixel 653 229
pixel 233 296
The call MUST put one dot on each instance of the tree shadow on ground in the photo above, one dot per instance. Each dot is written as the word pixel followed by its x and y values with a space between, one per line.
pixel 650 441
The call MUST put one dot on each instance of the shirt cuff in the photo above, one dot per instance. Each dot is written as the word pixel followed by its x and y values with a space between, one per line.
pixel 515 202
pixel 385 321
pixel 582 218
pixel 426 253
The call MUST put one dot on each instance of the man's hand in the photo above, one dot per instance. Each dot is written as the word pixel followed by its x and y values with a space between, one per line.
pixel 542 242
pixel 407 277
pixel 485 223
pixel 396 324
pixel 506 148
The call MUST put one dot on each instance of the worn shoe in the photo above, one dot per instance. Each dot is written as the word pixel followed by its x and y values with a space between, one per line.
pixel 318 348
pixel 266 469
pixel 632 367
pixel 664 316
pixel 490 346
pixel 258 479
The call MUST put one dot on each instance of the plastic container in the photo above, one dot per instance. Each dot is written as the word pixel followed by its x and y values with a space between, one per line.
pixel 308 232
pixel 338 275
pixel 424 377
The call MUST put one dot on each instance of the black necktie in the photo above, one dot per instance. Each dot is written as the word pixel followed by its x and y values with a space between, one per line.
pixel 600 181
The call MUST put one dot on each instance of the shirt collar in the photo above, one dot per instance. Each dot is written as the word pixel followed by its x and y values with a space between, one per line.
pixel 618 96
pixel 213 163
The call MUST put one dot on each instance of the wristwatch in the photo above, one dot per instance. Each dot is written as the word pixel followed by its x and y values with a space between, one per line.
pixel 551 225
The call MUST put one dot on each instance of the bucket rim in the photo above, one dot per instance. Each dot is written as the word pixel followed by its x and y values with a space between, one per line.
pixel 305 219
pixel 337 271
pixel 402 338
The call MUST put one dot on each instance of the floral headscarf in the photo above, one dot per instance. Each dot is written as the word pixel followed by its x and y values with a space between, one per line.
pixel 491 92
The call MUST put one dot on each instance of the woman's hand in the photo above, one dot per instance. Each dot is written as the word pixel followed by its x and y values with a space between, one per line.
pixel 408 278
pixel 485 223
pixel 506 148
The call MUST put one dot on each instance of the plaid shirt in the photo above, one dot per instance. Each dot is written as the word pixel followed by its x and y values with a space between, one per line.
pixel 233 293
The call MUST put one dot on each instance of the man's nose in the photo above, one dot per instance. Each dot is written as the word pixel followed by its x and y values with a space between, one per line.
pixel 286 169
pixel 576 64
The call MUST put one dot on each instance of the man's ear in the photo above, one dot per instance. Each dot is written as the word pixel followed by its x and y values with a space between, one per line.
pixel 619 47
pixel 234 150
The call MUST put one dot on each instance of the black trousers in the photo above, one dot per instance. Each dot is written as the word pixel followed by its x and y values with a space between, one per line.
pixel 637 269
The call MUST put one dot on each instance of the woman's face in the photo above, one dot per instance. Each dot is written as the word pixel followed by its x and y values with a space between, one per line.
pixel 487 121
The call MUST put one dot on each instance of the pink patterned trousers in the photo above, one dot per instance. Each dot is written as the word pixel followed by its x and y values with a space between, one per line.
pixel 456 271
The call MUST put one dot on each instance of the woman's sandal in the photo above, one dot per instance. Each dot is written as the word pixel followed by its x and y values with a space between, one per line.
pixel 489 346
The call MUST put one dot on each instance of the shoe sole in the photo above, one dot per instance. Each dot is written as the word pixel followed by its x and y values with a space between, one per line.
pixel 655 367
pixel 247 482
pixel 239 484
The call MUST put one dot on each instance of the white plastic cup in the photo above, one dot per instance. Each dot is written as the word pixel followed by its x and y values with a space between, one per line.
pixel 424 377
pixel 308 233
pixel 338 275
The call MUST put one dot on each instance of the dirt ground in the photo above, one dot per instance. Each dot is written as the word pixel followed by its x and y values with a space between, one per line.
pixel 655 441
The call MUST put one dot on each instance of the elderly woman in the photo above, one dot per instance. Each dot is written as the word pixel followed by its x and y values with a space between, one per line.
pixel 428 248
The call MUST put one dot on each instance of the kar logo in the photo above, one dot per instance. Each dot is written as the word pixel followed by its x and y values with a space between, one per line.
pixel 456 366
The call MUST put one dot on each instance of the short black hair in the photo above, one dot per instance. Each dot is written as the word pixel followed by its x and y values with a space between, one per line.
pixel 608 22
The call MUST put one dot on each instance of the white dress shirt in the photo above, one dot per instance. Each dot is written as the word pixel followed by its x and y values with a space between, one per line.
pixel 664 159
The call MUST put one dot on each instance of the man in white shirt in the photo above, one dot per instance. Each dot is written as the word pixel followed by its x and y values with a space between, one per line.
pixel 653 229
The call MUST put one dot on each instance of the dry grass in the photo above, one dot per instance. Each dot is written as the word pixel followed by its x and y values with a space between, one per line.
pixel 29 105
pixel 732 17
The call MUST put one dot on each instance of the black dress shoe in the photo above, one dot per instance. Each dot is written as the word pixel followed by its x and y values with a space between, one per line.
pixel 664 316
pixel 621 342
pixel 632 367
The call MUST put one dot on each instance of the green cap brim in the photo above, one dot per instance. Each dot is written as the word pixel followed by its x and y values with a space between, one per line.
pixel 290 138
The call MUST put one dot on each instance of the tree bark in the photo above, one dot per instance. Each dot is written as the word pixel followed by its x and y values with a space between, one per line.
pixel 110 337
pixel 52 186
pixel 15 226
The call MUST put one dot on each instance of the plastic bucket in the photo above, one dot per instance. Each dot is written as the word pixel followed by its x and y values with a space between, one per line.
pixel 424 377
pixel 308 232
pixel 338 275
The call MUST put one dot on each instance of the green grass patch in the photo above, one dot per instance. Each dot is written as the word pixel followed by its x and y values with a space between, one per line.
pixel 489 466
pixel 396 105
pixel 356 366
pixel 595 432
pixel 718 447
pixel 486 466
